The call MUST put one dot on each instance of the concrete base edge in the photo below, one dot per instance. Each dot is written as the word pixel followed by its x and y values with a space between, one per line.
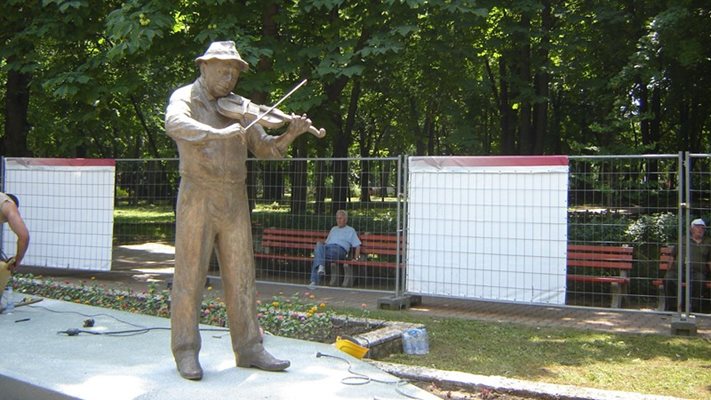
pixel 508 385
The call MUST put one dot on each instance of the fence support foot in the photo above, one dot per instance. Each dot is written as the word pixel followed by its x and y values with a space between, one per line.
pixel 683 325
pixel 399 302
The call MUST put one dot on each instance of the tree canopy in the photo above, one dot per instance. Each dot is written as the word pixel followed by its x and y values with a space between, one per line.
pixel 390 77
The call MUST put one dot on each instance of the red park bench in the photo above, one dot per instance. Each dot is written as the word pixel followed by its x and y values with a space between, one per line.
pixel 377 250
pixel 602 264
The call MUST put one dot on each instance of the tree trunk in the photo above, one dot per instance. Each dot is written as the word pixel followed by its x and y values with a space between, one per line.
pixel 415 125
pixel 299 178
pixel 526 142
pixel 320 206
pixel 274 173
pixel 506 114
pixel 643 109
pixel 17 100
pixel 542 82
pixel 428 128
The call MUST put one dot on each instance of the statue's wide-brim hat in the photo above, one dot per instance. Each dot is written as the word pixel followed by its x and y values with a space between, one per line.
pixel 225 51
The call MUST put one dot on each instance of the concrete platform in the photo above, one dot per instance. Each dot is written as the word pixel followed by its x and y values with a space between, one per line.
pixel 40 363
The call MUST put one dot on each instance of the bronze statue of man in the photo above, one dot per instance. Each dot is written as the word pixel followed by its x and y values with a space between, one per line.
pixel 213 209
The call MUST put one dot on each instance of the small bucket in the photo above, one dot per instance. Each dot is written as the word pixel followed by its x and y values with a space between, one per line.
pixel 4 274
pixel 351 347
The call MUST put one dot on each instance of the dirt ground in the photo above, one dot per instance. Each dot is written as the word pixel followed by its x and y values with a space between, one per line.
pixel 465 394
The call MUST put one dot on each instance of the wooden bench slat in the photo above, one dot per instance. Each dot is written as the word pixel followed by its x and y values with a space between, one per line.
pixel 660 282
pixel 600 249
pixel 623 265
pixel 282 257
pixel 599 256
pixel 368 263
pixel 601 279
pixel 294 232
pixel 288 245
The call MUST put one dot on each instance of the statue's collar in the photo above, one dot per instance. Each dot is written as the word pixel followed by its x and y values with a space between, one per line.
pixel 201 93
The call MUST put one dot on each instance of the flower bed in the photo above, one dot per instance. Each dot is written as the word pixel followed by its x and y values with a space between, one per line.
pixel 295 317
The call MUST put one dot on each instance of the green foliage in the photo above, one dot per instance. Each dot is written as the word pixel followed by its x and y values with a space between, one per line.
pixel 395 77
pixel 658 228
pixel 597 227
pixel 135 26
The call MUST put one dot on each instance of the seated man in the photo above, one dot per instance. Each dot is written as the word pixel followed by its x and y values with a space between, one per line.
pixel 338 244
pixel 700 253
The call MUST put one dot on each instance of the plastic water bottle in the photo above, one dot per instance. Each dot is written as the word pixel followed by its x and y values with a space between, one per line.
pixel 423 344
pixel 415 341
pixel 408 342
pixel 419 342
pixel 10 302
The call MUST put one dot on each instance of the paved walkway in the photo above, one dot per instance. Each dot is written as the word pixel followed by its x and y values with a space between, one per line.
pixel 135 266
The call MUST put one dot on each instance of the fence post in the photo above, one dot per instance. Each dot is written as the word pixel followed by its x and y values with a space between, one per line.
pixel 683 323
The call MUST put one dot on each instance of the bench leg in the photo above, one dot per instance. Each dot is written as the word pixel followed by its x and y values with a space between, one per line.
pixel 347 275
pixel 617 291
pixel 662 296
pixel 335 274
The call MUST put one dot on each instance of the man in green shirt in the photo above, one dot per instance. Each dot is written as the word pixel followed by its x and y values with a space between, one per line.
pixel 700 271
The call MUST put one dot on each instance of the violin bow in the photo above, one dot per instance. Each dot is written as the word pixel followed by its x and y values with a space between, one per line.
pixel 262 115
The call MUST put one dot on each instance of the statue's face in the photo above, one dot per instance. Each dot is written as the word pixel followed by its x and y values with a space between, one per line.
pixel 220 76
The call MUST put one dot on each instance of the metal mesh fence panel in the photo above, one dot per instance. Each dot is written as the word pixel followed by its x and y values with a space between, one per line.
pixel 630 202
pixel 626 202
pixel 698 205
pixel 144 203
pixel 295 199
pixel 295 202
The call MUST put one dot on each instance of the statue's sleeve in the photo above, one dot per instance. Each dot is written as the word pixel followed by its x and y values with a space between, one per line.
pixel 179 123
pixel 263 145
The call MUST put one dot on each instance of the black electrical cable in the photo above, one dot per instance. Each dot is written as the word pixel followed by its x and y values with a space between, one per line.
pixel 362 379
pixel 87 315
pixel 130 332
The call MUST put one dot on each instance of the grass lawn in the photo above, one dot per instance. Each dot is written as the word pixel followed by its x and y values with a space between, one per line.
pixel 650 364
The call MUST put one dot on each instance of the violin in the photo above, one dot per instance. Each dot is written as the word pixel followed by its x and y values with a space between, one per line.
pixel 238 107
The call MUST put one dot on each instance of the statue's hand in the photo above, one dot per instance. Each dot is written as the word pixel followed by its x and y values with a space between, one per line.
pixel 299 124
pixel 230 131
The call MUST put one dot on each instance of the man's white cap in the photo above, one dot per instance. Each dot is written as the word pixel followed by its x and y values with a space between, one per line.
pixel 698 221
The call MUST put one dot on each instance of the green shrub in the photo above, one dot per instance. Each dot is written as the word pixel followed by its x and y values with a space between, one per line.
pixel 653 228
pixel 597 227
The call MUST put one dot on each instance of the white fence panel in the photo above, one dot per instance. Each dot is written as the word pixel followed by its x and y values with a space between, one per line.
pixel 68 207
pixel 488 227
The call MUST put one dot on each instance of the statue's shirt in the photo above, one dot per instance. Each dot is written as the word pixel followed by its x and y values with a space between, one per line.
pixel 191 118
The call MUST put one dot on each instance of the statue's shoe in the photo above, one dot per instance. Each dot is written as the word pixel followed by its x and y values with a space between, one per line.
pixel 189 367
pixel 263 360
